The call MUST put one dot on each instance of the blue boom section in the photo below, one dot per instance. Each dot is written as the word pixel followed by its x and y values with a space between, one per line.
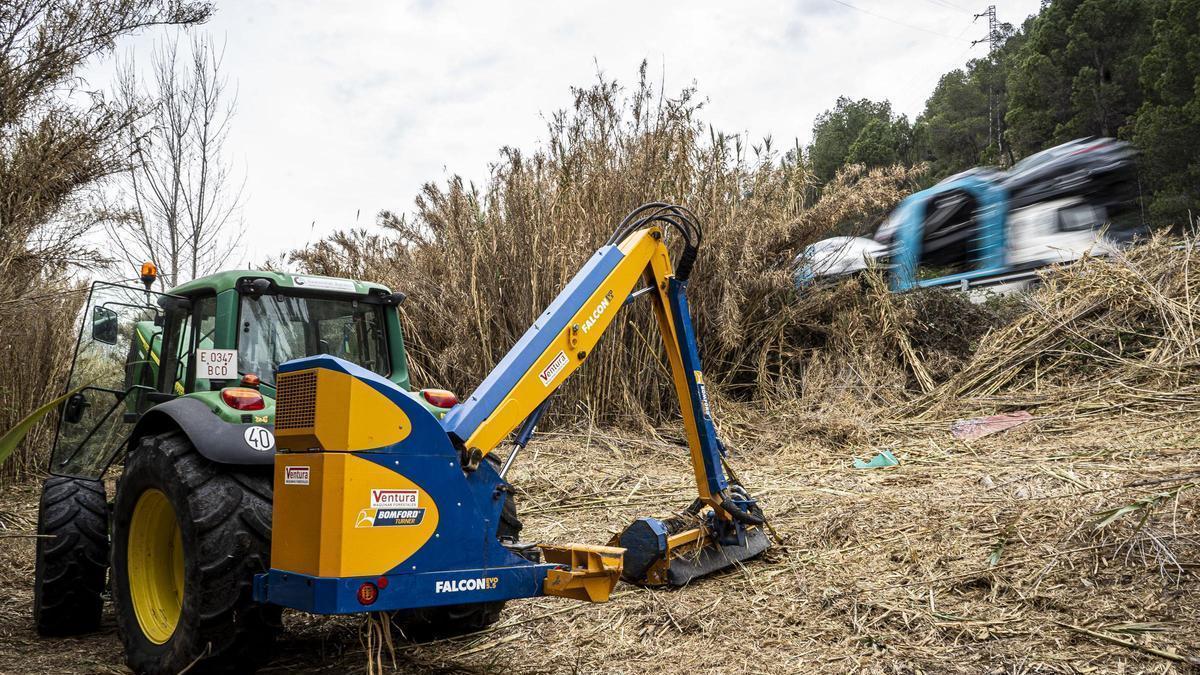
pixel 710 447
pixel 464 419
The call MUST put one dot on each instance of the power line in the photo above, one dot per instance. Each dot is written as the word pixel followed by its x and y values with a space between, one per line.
pixel 924 77
pixel 891 20
pixel 947 5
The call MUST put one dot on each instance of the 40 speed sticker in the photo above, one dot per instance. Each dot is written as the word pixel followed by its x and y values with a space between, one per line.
pixel 259 438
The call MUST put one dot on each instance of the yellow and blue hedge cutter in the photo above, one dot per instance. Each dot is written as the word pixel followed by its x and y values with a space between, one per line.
pixel 381 505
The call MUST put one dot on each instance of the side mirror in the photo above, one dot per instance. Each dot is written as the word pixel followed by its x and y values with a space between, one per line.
pixel 104 325
pixel 73 410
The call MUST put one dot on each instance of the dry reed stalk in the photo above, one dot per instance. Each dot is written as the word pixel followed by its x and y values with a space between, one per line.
pixel 480 263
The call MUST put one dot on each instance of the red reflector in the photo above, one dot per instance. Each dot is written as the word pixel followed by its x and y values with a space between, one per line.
pixel 251 380
pixel 240 398
pixel 367 594
pixel 440 398
pixel 381 582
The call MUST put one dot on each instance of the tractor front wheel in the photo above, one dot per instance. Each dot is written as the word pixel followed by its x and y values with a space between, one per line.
pixel 72 556
pixel 188 537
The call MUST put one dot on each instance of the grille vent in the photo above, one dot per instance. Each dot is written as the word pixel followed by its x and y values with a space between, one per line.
pixel 296 400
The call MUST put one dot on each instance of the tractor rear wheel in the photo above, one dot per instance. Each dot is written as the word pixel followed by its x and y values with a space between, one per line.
pixel 188 537
pixel 72 557
pixel 434 623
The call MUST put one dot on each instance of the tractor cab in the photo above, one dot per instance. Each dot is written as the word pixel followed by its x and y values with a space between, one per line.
pixel 205 354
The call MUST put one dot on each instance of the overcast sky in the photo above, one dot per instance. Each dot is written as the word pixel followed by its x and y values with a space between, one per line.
pixel 348 107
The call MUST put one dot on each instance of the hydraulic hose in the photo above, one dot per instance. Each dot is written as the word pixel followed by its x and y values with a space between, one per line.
pixel 738 513
pixel 678 217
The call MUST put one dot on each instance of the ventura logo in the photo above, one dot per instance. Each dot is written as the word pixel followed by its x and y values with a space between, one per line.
pixel 598 312
pixel 295 475
pixel 552 369
pixel 459 585
pixel 394 499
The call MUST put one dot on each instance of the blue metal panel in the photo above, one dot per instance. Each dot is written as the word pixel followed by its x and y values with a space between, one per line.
pixel 710 448
pixel 339 595
pixel 464 419
pixel 993 215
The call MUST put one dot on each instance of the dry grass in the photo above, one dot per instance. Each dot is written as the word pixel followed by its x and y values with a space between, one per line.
pixel 966 558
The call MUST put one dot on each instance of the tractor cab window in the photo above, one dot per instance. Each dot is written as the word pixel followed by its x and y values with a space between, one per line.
pixel 278 328
pixel 197 333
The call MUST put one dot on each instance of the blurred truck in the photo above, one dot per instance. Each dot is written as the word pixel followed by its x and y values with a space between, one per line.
pixel 986 228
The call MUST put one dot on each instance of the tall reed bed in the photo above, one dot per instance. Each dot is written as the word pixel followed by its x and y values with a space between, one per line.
pixel 38 311
pixel 481 262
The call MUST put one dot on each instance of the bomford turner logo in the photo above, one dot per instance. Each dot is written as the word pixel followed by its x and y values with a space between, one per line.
pixel 392 508
pixel 389 517
pixel 459 585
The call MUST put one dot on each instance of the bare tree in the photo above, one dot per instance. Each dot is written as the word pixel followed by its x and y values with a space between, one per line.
pixel 56 143
pixel 181 196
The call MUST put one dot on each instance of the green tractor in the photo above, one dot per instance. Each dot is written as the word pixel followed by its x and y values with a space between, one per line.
pixel 178 387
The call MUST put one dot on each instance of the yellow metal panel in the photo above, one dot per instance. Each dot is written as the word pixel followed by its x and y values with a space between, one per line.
pixel 338 515
pixel 568 351
pixel 297 532
pixel 368 545
pixel 325 409
pixel 658 274
pixel 591 571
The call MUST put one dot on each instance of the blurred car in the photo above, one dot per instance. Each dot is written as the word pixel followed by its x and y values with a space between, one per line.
pixel 989 227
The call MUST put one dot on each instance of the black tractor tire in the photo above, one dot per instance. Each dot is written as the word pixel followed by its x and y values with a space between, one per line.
pixel 435 623
pixel 72 557
pixel 224 519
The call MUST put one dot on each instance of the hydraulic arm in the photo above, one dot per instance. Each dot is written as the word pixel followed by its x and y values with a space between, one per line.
pixel 566 333
pixel 515 392
pixel 345 434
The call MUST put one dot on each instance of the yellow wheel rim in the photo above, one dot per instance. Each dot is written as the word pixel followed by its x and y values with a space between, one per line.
pixel 155 561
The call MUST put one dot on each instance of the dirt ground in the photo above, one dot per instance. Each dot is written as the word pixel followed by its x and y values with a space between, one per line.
pixel 991 556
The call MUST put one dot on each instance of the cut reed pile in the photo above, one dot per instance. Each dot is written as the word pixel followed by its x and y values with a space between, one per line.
pixel 1104 337
pixel 1010 554
pixel 994 556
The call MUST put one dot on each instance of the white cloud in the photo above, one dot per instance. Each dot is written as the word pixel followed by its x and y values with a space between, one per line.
pixel 348 107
